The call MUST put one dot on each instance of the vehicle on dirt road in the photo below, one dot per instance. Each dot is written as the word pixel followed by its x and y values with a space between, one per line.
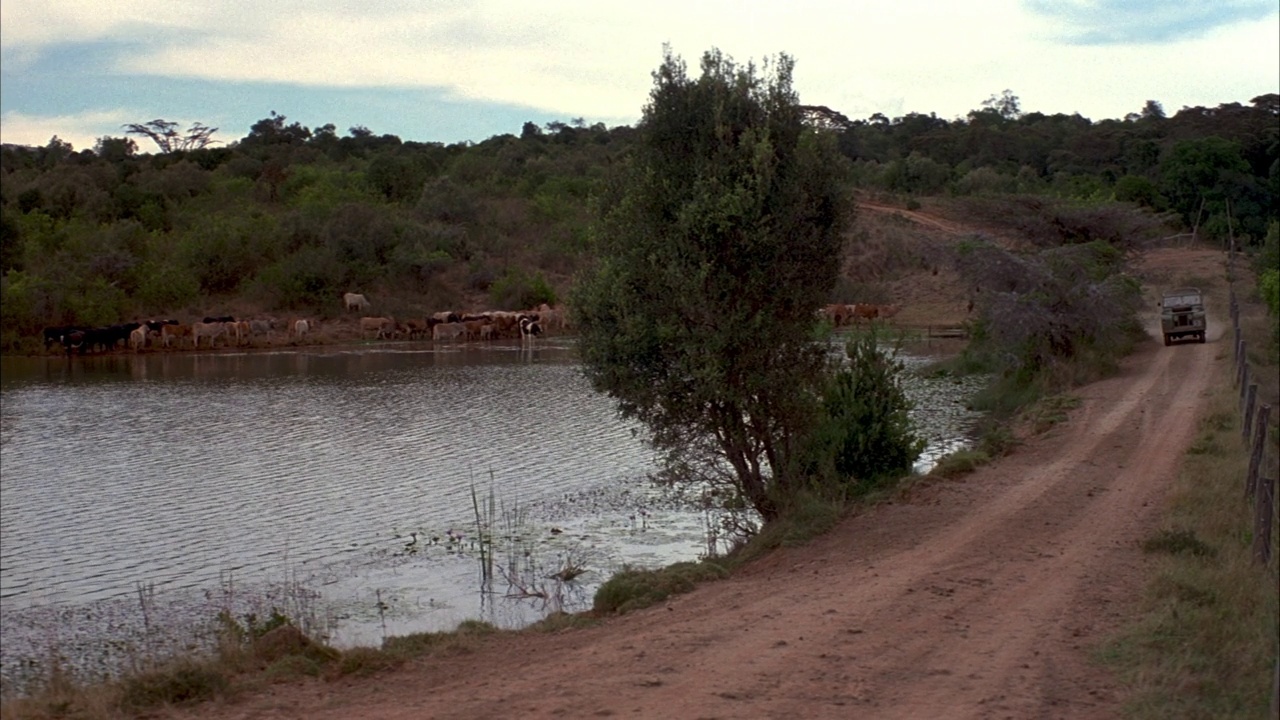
pixel 1182 314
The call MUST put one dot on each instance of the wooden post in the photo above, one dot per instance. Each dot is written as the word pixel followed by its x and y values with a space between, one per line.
pixel 1241 366
pixel 1256 452
pixel 1244 383
pixel 1263 511
pixel 1195 227
pixel 1248 412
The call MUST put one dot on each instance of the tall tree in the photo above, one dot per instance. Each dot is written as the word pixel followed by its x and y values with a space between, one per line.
pixel 164 133
pixel 717 244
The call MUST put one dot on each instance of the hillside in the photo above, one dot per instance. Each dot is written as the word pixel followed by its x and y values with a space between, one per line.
pixel 283 221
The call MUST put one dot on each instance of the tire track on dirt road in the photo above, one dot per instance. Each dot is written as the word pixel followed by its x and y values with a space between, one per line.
pixel 1063 567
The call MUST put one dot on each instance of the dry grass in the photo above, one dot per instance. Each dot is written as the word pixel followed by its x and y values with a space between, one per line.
pixel 241 665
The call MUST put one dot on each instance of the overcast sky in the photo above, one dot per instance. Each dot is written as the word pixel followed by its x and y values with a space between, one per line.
pixel 457 70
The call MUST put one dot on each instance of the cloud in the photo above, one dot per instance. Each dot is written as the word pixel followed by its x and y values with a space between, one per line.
pixel 573 58
pixel 1110 22
pixel 449 70
pixel 81 130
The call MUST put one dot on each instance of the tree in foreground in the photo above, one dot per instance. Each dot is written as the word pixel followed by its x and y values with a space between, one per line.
pixel 717 242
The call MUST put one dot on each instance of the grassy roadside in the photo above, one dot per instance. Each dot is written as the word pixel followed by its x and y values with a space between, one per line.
pixel 1205 644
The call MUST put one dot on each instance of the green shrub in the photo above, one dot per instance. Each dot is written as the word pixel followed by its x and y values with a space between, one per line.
pixel 164 286
pixel 865 437
pixel 634 589
pixel 312 277
pixel 363 661
pixel 187 683
pixel 960 463
pixel 517 290
pixel 291 667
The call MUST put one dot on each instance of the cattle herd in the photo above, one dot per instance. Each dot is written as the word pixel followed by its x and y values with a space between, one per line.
pixel 446 326
pixel 840 315
pixel 233 332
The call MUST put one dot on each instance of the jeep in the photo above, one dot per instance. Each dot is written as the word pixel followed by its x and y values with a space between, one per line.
pixel 1182 314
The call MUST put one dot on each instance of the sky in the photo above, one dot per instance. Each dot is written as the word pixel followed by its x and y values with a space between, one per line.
pixel 466 70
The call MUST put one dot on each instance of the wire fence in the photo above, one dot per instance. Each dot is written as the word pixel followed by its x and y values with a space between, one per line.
pixel 1260 483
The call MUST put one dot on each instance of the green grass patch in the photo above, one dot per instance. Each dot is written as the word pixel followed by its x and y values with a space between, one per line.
pixel 558 621
pixel 182 684
pixel 633 589
pixel 1052 410
pixel 425 643
pixel 364 661
pixel 959 463
pixel 1178 542
pixel 290 668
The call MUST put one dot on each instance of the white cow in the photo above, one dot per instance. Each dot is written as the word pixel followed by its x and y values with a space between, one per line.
pixel 355 301
pixel 448 331
pixel 301 328
pixel 211 330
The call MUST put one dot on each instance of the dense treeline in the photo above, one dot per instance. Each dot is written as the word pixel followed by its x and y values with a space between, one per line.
pixel 288 217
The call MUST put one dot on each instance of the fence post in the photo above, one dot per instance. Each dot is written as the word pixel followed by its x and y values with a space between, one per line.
pixel 1263 499
pixel 1244 384
pixel 1256 452
pixel 1248 412
pixel 1240 362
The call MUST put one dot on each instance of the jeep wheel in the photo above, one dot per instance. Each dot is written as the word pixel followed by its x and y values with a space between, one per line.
pixel 1166 340
pixel 1202 338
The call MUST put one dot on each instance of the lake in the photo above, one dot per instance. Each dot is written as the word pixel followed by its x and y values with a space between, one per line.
pixel 140 496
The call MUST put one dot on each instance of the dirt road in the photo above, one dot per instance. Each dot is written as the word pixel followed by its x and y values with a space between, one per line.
pixel 976 598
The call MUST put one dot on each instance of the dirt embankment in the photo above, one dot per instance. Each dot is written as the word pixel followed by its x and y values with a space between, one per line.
pixel 975 598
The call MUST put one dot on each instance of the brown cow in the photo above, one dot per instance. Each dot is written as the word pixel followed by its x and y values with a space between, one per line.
pixel 382 327
pixel 837 314
pixel 505 324
pixel 864 311
pixel 171 332
pixel 887 311
pixel 415 328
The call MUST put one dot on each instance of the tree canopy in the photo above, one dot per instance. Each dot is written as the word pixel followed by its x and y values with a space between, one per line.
pixel 716 244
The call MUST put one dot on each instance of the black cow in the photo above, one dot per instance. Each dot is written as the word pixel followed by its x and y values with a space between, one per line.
pixel 57 335
pixel 529 327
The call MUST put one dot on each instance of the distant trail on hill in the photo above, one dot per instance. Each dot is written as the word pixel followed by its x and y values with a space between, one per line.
pixel 916 216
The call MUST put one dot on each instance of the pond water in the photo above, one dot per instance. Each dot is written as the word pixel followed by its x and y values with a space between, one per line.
pixel 347 487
